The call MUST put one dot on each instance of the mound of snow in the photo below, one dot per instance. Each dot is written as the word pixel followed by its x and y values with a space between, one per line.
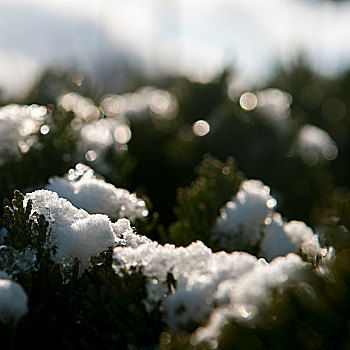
pixel 282 238
pixel 84 190
pixel 242 218
pixel 13 300
pixel 73 231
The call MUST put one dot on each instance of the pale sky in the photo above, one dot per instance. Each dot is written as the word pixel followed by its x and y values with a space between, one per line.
pixel 193 37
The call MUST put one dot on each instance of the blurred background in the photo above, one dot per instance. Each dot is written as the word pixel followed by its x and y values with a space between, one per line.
pixel 141 90
pixel 196 38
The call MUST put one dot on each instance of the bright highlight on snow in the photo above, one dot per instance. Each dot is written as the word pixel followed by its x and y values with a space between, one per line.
pixel 74 232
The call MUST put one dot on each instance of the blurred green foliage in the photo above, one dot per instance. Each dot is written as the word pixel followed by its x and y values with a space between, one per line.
pixel 199 205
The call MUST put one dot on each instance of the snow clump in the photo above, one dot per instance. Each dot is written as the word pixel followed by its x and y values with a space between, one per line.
pixel 190 282
pixel 74 232
pixel 84 190
pixel 281 238
pixel 13 300
pixel 196 270
pixel 248 222
pixel 242 299
pixel 242 218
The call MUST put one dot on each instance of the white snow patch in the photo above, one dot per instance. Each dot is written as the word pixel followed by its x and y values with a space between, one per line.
pixel 197 272
pixel 241 299
pixel 241 219
pixel 74 232
pixel 13 300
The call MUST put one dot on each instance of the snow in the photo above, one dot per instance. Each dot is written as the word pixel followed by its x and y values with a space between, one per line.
pixel 197 271
pixel 242 218
pixel 13 300
pixel 281 238
pixel 204 279
pixel 128 238
pixel 248 222
pixel 74 232
pixel 84 190
pixel 83 108
pixel 216 286
pixel 242 299
pixel 17 125
pixel 103 133
pixel 194 284
pixel 161 103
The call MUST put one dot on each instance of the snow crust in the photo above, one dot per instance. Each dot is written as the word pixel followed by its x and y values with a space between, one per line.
pixel 84 190
pixel 13 300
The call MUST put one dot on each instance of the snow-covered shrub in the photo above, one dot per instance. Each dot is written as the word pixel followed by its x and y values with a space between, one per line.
pixel 195 271
pixel 73 232
pixel 146 294
pixel 242 299
pixel 248 222
pixel 56 276
pixel 194 283
pixel 85 190
pixel 160 103
pixel 242 219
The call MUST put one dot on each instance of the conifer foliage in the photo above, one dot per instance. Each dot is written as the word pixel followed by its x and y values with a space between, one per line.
pixel 182 216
